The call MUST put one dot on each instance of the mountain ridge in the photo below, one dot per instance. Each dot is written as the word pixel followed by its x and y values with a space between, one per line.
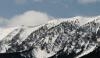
pixel 68 36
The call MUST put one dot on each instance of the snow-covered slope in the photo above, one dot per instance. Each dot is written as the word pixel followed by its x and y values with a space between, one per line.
pixel 5 31
pixel 71 37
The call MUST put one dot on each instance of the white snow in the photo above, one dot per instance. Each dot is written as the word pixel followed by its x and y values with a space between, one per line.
pixel 5 31
pixel 80 20
pixel 27 31
pixel 42 53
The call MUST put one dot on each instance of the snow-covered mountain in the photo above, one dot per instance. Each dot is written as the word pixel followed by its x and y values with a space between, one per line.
pixel 70 38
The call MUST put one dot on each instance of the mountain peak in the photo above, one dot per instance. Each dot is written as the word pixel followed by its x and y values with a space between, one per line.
pixel 75 36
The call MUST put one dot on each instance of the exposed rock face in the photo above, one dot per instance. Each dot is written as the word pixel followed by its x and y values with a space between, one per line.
pixel 57 39
pixel 94 54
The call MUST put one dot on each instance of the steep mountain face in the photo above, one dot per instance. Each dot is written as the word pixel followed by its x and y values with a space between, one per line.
pixel 67 38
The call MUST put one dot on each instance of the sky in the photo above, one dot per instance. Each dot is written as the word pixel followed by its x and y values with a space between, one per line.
pixel 14 11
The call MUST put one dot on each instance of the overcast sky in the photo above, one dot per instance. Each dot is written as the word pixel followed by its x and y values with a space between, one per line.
pixel 10 9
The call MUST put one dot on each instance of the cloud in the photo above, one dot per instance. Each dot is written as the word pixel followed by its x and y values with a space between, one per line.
pixel 87 1
pixel 29 18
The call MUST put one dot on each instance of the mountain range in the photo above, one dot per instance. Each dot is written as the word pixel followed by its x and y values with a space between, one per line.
pixel 76 37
